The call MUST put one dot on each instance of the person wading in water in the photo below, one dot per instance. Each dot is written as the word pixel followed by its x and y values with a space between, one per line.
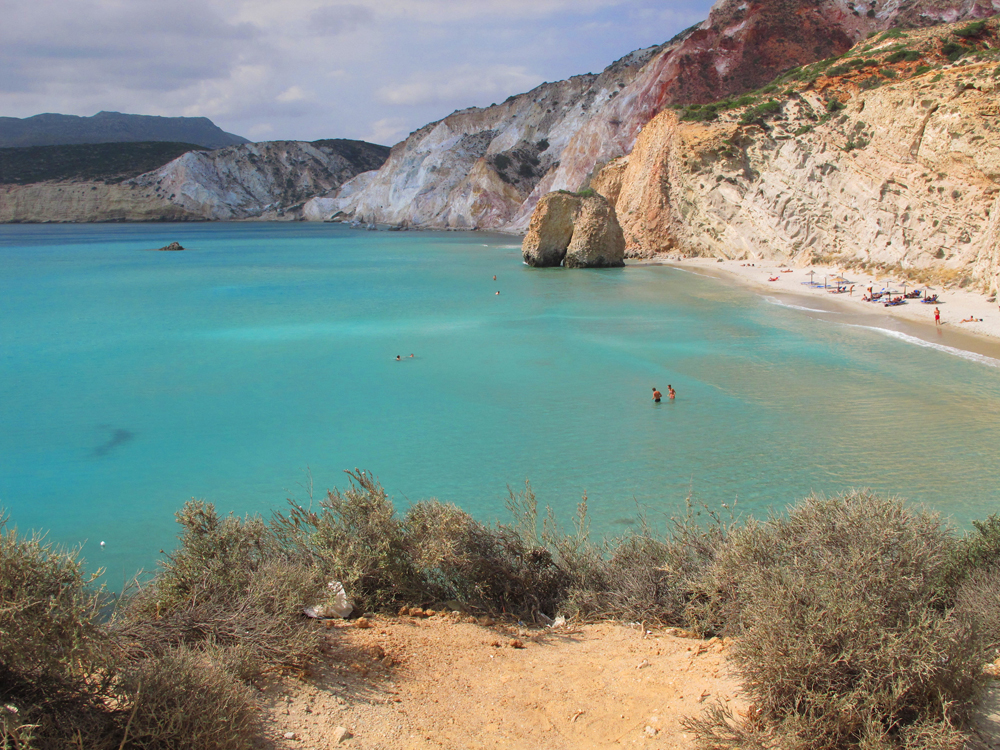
pixel 656 395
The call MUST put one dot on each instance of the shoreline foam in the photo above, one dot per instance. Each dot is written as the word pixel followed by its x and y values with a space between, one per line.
pixel 913 321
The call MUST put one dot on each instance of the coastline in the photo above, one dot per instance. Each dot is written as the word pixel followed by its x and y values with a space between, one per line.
pixel 913 319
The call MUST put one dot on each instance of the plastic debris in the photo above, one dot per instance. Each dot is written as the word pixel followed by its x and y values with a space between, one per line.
pixel 336 605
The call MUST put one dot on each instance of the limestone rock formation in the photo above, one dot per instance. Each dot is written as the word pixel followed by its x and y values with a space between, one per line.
pixel 487 168
pixel 172 247
pixel 576 231
pixel 904 176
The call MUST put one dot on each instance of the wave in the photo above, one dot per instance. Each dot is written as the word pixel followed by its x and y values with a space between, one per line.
pixel 971 356
pixel 779 303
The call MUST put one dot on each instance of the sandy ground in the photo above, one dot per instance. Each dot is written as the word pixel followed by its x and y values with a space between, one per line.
pixel 449 682
pixel 445 682
pixel 914 318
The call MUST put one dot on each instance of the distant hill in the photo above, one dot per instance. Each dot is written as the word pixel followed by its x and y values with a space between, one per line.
pixel 112 127
pixel 103 162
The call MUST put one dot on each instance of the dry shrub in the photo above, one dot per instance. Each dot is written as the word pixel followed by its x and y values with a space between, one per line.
pixel 231 588
pixel 642 575
pixel 844 637
pixel 978 601
pixel 356 538
pixel 53 668
pixel 497 568
pixel 180 699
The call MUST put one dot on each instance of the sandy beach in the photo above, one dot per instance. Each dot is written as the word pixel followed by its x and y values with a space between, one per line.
pixel 790 287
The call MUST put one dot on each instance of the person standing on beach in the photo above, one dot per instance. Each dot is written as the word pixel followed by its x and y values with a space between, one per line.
pixel 937 317
pixel 656 395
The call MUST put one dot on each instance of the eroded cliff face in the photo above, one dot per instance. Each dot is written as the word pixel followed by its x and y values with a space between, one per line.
pixel 477 167
pixel 905 176
pixel 268 180
pixel 488 168
pixel 83 202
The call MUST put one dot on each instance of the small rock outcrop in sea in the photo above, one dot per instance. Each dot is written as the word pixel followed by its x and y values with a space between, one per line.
pixel 172 246
pixel 575 231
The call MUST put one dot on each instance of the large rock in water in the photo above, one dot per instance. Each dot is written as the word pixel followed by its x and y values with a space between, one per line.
pixel 576 231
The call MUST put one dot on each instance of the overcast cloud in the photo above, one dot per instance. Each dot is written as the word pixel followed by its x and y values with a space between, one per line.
pixel 307 69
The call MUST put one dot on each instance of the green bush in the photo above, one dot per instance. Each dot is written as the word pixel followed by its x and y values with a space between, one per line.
pixel 765 109
pixel 953 50
pixel 973 29
pixel 844 637
pixel 903 55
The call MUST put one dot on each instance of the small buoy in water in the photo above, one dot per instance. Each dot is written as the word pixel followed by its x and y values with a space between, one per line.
pixel 102 544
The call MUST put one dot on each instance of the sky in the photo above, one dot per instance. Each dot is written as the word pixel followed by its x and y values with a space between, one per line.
pixel 309 69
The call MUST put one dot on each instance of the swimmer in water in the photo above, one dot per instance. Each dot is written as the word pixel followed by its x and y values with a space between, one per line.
pixel 671 392
pixel 656 395
pixel 498 292
pixel 494 277
pixel 397 358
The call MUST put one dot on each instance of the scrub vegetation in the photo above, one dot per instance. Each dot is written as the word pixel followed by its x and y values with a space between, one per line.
pixel 857 622
pixel 884 58
pixel 104 162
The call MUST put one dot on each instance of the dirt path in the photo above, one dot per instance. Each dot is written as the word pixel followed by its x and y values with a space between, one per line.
pixel 446 682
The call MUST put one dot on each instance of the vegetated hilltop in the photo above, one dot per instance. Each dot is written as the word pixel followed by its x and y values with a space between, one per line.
pixel 268 180
pixel 112 127
pixel 887 156
pixel 487 168
pixel 104 162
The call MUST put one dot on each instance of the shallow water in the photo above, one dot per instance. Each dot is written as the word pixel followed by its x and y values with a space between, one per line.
pixel 265 354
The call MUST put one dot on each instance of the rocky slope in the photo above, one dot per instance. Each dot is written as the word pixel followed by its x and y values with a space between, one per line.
pixel 889 157
pixel 254 181
pixel 488 167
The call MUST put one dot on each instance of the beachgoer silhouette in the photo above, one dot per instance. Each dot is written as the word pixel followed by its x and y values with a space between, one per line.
pixel 670 391
pixel 397 358
pixel 656 395
pixel 411 356
pixel 494 277
pixel 937 317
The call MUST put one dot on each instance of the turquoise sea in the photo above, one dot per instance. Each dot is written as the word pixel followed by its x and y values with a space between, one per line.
pixel 262 359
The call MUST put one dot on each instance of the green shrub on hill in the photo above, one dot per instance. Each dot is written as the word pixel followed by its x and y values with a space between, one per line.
pixel 972 30
pixel 107 162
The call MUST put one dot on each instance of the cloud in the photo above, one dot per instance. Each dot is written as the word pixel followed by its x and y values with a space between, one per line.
pixel 334 20
pixel 389 130
pixel 460 84
pixel 311 68
pixel 292 94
